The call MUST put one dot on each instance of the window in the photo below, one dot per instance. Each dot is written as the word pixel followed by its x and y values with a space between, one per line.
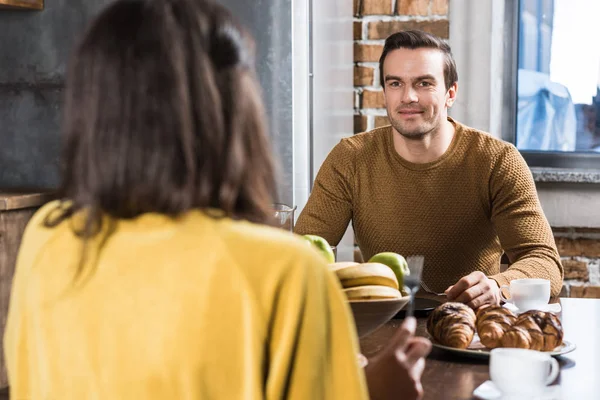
pixel 552 81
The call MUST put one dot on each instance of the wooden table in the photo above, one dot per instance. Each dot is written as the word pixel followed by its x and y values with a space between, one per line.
pixel 447 376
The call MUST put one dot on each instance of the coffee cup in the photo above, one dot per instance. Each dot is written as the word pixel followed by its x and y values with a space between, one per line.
pixel 522 373
pixel 528 294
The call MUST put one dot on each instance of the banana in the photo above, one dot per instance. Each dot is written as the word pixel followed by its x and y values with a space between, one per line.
pixel 367 274
pixel 372 292
pixel 341 264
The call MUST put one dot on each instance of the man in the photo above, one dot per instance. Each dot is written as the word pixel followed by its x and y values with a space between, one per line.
pixel 432 186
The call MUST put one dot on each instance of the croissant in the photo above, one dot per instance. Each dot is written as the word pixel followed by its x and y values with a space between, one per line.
pixel 492 323
pixel 533 329
pixel 516 336
pixel 544 328
pixel 452 324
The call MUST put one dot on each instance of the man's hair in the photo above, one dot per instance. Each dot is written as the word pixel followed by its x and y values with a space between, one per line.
pixel 163 114
pixel 416 39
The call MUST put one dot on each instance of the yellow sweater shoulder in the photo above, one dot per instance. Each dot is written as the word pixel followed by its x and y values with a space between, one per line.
pixel 166 299
pixel 250 243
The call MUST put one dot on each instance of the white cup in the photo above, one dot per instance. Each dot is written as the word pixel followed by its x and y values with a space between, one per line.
pixel 522 373
pixel 528 294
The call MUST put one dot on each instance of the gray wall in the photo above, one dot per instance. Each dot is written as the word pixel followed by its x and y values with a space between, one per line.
pixel 270 22
pixel 34 50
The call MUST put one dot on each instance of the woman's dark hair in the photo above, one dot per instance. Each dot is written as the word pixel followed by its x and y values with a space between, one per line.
pixel 415 39
pixel 163 114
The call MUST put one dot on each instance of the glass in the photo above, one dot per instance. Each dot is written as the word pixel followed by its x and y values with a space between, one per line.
pixel 413 280
pixel 558 83
pixel 284 216
pixel 334 249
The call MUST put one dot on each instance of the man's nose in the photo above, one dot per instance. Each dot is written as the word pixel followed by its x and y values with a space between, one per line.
pixel 409 95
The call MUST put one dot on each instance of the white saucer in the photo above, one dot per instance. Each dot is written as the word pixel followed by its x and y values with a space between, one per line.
pixel 553 308
pixel 488 391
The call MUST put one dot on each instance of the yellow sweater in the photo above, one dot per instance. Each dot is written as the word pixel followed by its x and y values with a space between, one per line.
pixel 460 211
pixel 193 308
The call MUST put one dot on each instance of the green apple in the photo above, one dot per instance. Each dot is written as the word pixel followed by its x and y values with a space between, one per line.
pixel 396 262
pixel 322 245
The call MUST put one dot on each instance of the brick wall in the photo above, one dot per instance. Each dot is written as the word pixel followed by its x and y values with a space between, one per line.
pixel 579 249
pixel 374 20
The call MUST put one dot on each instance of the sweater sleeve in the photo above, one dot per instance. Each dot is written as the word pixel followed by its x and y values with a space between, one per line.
pixel 329 207
pixel 524 231
pixel 313 346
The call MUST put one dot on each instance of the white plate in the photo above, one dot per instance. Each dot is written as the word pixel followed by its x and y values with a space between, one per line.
pixel 478 350
pixel 553 308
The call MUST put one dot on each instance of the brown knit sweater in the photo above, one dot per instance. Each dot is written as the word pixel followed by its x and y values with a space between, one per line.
pixel 461 211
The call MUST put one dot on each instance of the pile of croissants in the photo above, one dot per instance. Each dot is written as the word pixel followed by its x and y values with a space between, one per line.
pixel 455 324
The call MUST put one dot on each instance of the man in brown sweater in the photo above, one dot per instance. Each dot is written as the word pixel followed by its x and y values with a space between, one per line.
pixel 432 186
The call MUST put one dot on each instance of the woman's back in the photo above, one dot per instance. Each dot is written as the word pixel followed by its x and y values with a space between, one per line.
pixel 191 308
pixel 163 118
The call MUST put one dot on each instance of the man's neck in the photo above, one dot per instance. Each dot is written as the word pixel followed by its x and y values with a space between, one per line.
pixel 426 149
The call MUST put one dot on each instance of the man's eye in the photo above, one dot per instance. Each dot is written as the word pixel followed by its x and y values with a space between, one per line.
pixel 425 84
pixel 394 84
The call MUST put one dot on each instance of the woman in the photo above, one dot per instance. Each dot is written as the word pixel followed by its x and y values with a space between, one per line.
pixel 155 277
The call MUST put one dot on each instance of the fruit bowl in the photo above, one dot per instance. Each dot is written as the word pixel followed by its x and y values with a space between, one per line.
pixel 369 315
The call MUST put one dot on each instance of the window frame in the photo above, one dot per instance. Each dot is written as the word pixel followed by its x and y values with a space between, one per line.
pixel 534 158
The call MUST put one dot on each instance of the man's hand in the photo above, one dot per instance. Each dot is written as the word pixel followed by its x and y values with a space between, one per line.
pixel 474 290
pixel 395 372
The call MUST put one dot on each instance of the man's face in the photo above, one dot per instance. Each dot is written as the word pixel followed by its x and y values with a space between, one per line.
pixel 415 93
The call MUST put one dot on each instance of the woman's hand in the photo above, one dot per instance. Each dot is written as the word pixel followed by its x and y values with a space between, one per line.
pixel 396 371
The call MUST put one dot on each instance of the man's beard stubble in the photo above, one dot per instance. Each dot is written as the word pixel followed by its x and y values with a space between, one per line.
pixel 418 135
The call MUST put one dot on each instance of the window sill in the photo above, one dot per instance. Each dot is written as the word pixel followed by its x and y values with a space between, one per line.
pixel 542 174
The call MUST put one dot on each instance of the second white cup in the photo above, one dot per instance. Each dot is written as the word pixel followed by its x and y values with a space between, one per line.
pixel 522 373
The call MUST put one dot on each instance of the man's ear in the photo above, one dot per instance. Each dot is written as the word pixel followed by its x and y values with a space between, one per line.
pixel 451 94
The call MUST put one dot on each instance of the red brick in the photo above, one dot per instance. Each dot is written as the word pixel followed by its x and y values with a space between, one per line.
pixel 439 7
pixel 566 247
pixel 589 292
pixel 583 230
pixel 357 30
pixel 589 247
pixel 372 99
pixel 357 7
pixel 576 270
pixel 381 121
pixel 367 52
pixel 578 247
pixel 360 123
pixel 363 76
pixel 376 7
pixel 412 7
pixel 383 29
pixel 572 232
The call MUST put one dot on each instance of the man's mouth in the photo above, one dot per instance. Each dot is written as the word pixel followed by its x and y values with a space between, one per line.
pixel 409 112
